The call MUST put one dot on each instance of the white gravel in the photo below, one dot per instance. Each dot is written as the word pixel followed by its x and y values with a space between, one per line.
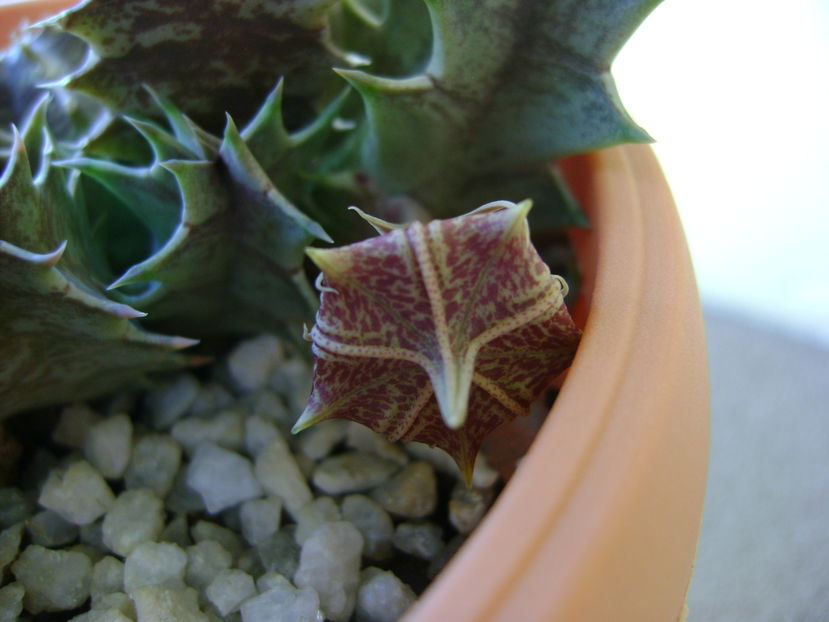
pixel 221 514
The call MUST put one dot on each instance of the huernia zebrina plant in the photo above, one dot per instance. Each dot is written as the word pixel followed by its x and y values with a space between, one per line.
pixel 170 166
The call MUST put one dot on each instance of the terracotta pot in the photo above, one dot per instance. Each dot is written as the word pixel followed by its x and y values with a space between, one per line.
pixel 600 521
pixel 17 12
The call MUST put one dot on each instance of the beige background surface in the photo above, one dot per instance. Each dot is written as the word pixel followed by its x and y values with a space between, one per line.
pixel 764 549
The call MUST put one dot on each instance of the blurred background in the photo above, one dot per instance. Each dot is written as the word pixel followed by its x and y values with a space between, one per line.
pixel 736 94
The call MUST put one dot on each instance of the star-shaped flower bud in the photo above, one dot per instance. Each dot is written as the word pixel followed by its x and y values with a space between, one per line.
pixel 438 332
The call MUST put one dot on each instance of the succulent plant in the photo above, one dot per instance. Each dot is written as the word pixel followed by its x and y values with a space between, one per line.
pixel 136 218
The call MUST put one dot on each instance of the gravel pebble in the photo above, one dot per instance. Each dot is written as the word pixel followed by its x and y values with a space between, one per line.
pixel 280 552
pixel 467 507
pixel 330 563
pixel 78 493
pixel 260 518
pixel 102 615
pixel 54 580
pixel 211 398
pixel 283 603
pixel 136 516
pixel 314 514
pixel 354 471
pixel 154 603
pixel 205 560
pixel 318 441
pixel 177 531
pixel 50 529
pixel 365 439
pixel 230 540
pixel 382 597
pixel 292 380
pixel 225 428
pixel 483 475
pixel 229 589
pixel 107 577
pixel 169 403
pixel 155 461
pixel 9 545
pixel 108 445
pixel 253 361
pixel 259 431
pixel 423 540
pixel 411 493
pixel 222 477
pixel 11 601
pixel 279 474
pixel 155 563
pixel 373 522
pixel 74 424
pixel 14 507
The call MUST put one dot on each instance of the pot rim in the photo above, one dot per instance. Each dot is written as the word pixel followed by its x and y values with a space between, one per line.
pixel 601 519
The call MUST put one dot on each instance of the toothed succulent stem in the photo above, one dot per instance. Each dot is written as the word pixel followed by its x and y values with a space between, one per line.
pixel 131 201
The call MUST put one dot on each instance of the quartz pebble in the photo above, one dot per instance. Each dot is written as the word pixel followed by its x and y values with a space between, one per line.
pixel 330 563
pixel 170 402
pixel 424 540
pixel 365 439
pixel 226 429
pixel 54 580
pixel 205 560
pixel 354 471
pixel 177 531
pixel 280 552
pixel 258 432
pixel 268 404
pixel 136 516
pixel 230 540
pixel 211 398
pixel 78 493
pixel 373 522
pixel 483 475
pixel 49 529
pixel 102 615
pixel 229 589
pixel 292 379
pixel 107 577
pixel 118 601
pixel 253 361
pixel 73 425
pixel 9 545
pixel 222 477
pixel 467 507
pixel 155 461
pixel 314 514
pixel 283 603
pixel 14 507
pixel 411 493
pixel 382 597
pixel 93 535
pixel 279 474
pixel 154 603
pixel 11 601
pixel 155 563
pixel 108 445
pixel 317 441
pixel 260 518
pixel 182 499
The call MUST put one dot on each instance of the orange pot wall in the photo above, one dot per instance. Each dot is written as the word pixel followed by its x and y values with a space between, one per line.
pixel 14 14
pixel 600 521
